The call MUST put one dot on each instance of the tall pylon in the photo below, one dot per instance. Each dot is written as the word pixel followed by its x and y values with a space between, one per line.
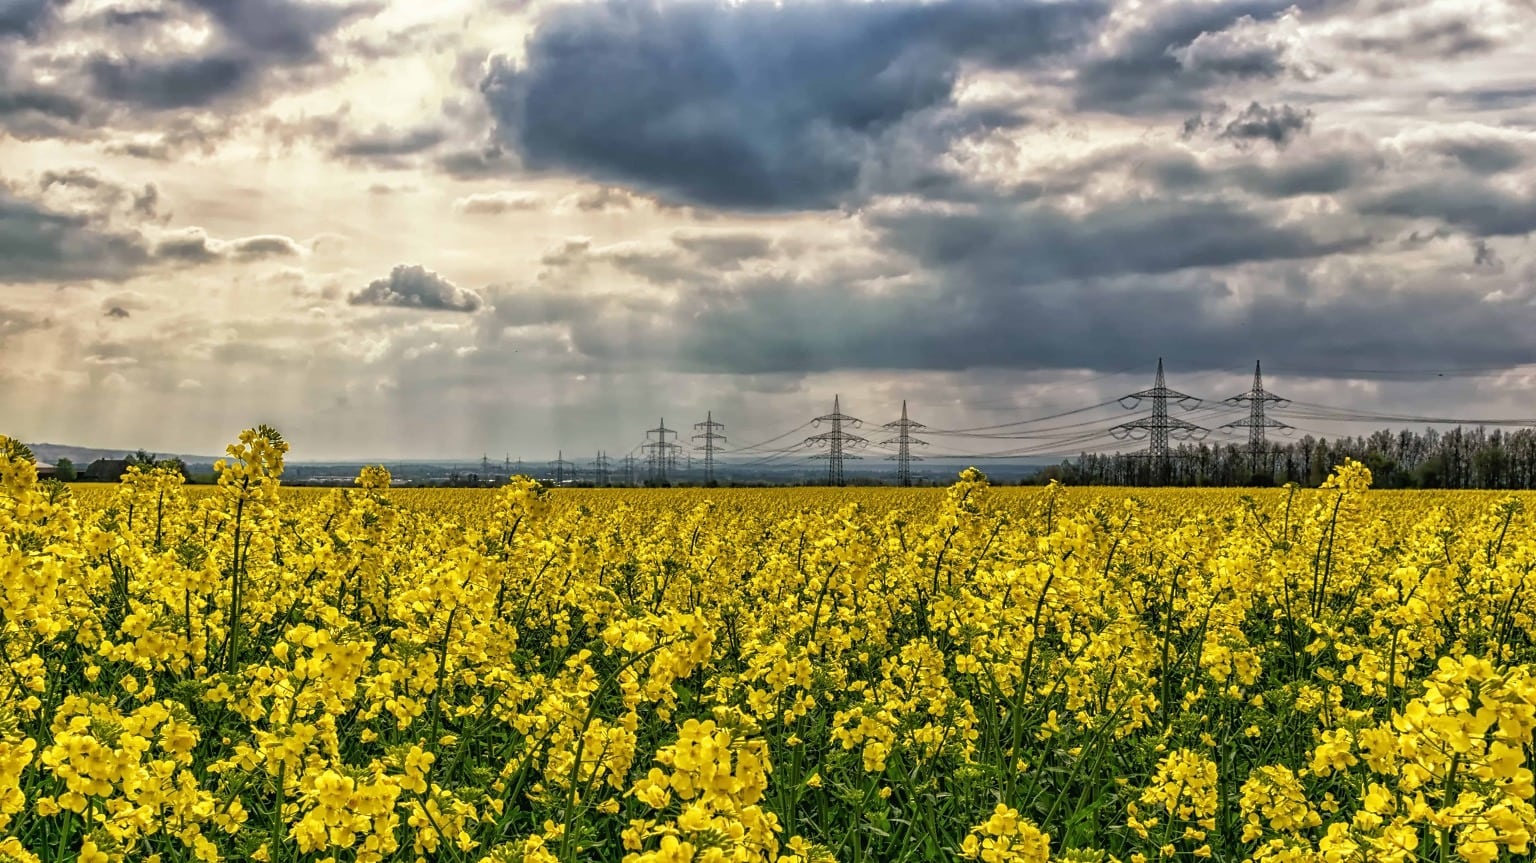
pixel 1159 428
pixel 600 468
pixel 837 440
pixel 1257 398
pixel 661 453
pixel 709 434
pixel 562 469
pixel 904 441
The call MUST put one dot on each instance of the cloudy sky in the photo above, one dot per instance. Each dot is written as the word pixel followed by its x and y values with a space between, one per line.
pixel 395 228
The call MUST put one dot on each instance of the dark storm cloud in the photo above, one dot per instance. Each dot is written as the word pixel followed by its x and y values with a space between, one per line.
pixel 25 18
pixel 42 245
pixel 1041 243
pixel 415 287
pixel 1180 50
pixel 287 29
pixel 1277 124
pixel 1104 325
pixel 1471 205
pixel 175 83
pixel 754 106
pixel 253 37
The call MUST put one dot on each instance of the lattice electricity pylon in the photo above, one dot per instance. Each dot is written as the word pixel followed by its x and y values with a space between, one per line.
pixel 904 441
pixel 660 453
pixel 600 468
pixel 1257 422
pixel 1159 428
pixel 709 433
pixel 562 469
pixel 629 469
pixel 836 440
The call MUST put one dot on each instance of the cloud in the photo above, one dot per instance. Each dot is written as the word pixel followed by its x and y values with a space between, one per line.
pixel 1192 319
pixel 38 244
pixel 1475 147
pixel 1277 124
pixel 1483 209
pixel 174 83
pixel 1042 243
pixel 497 203
pixel 415 287
pixel 1423 38
pixel 754 106
pixel 251 38
pixel 88 192
pixel 194 246
pixel 384 143
pixel 25 18
pixel 724 250
pixel 268 246
pixel 1167 58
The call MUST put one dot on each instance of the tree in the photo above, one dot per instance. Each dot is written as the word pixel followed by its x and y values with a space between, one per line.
pixel 66 470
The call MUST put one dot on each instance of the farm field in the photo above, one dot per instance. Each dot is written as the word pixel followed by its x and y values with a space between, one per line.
pixel 996 674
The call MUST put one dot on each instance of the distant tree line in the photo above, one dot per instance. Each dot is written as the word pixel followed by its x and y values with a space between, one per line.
pixel 1460 458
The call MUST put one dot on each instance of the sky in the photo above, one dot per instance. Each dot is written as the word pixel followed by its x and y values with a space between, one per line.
pixel 400 229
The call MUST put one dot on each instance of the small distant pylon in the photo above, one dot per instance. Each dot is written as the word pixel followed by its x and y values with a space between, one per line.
pixel 904 441
pixel 1159 428
pixel 600 468
pixel 836 440
pixel 1257 398
pixel 629 469
pixel 562 469
pixel 660 452
pixel 709 434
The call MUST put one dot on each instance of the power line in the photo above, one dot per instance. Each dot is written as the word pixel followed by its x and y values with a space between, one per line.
pixel 837 441
pixel 744 450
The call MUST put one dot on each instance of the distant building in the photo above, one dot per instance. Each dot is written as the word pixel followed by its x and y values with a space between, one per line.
pixel 47 471
pixel 106 470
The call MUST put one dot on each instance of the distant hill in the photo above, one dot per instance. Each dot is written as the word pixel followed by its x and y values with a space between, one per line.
pixel 50 453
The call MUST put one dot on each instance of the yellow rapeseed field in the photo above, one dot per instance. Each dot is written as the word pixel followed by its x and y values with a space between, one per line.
pixel 1331 674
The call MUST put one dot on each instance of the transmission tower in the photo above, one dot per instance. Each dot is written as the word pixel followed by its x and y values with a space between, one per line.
pixel 1256 422
pixel 661 453
pixel 562 468
pixel 837 441
pixel 600 468
pixel 629 469
pixel 485 467
pixel 904 441
pixel 709 433
pixel 1159 428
